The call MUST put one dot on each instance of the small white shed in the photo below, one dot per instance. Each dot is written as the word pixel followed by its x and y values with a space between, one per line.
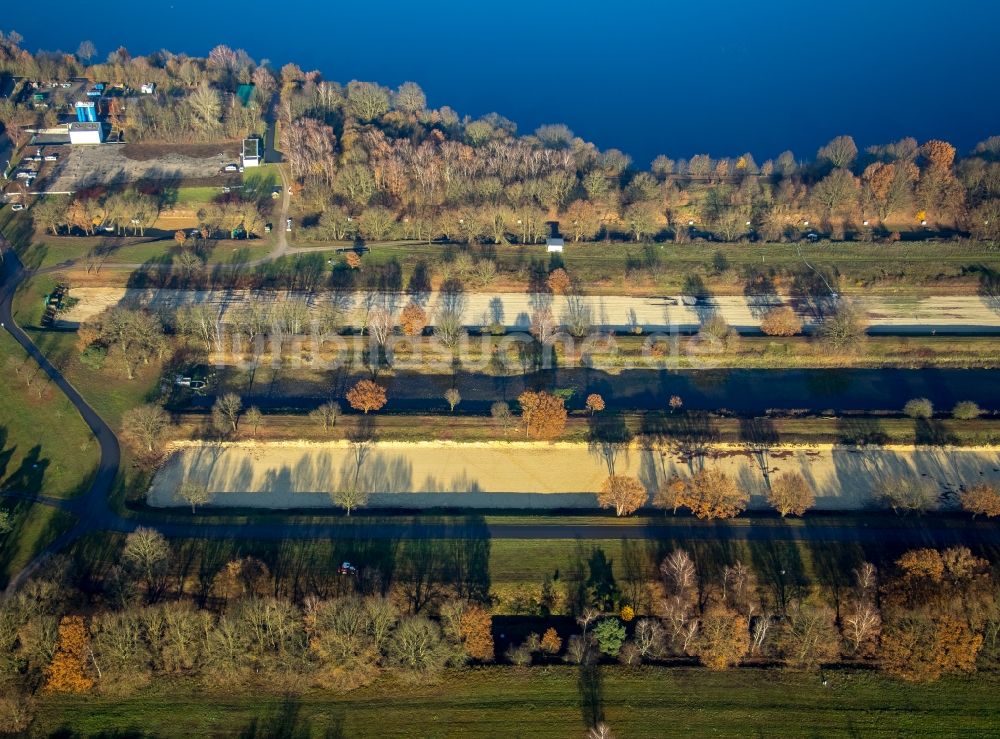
pixel 554 245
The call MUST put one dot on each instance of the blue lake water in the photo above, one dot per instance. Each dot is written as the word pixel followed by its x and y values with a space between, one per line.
pixel 720 77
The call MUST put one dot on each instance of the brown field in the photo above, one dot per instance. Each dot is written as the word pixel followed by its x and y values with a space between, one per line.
pixel 538 475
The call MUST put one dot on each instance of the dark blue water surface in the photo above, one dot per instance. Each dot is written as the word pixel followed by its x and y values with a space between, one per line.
pixel 717 76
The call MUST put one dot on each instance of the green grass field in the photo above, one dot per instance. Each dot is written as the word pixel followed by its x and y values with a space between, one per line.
pixel 554 702
pixel 54 251
pixel 35 526
pixel 105 389
pixel 602 266
pixel 45 447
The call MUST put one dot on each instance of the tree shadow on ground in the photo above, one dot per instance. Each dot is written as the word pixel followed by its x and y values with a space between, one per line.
pixel 288 722
pixel 590 687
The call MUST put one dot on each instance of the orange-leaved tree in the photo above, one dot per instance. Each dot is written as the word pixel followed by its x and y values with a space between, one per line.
pixel 781 321
pixel 624 494
pixel 68 671
pixel 724 638
pixel 544 414
pixel 791 494
pixel 477 633
pixel 559 281
pixel 981 498
pixel 366 396
pixel 711 494
pixel 595 403
pixel 551 643
pixel 413 319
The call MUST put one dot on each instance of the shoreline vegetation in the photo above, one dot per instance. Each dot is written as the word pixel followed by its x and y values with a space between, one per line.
pixel 378 195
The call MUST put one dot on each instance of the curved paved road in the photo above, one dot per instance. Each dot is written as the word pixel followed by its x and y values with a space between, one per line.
pixel 94 511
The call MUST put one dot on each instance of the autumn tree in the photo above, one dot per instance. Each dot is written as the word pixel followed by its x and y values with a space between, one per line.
pixel 921 647
pixel 413 319
pixel 416 647
pixel 723 638
pixel 452 398
pixel 791 494
pixel 134 337
pixel 253 418
pixel 907 494
pixel 326 415
pixel 86 51
pixel 366 396
pixel 146 554
pixel 476 627
pixel 712 494
pixel 311 149
pixel 862 625
pixel 840 152
pixel 888 187
pixel 966 410
pixel 226 412
pixel 409 98
pixel 781 321
pixel 194 494
pixel 919 408
pixel 624 494
pixel 501 414
pixel 68 672
pixel 809 636
pixel 981 498
pixel 350 494
pixel 144 427
pixel 544 414
pixel 595 403
pixel 551 643
pixel 836 193
pixel 844 330
pixel 366 100
pixel 544 326
pixel 558 281
pixel 717 333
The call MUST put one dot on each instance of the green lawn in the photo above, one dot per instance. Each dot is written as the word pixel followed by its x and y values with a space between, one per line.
pixel 553 702
pixel 196 195
pixel 45 446
pixel 51 251
pixel 602 266
pixel 105 389
pixel 35 526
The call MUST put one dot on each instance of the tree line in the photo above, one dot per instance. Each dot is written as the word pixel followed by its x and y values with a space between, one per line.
pixel 378 163
pixel 926 614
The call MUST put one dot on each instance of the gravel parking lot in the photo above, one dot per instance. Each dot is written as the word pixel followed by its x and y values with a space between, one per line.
pixel 110 164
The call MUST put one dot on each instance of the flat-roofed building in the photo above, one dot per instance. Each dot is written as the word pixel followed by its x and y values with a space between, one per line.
pixel 86 132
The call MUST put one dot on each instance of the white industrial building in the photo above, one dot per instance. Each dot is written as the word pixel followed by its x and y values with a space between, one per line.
pixel 86 132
